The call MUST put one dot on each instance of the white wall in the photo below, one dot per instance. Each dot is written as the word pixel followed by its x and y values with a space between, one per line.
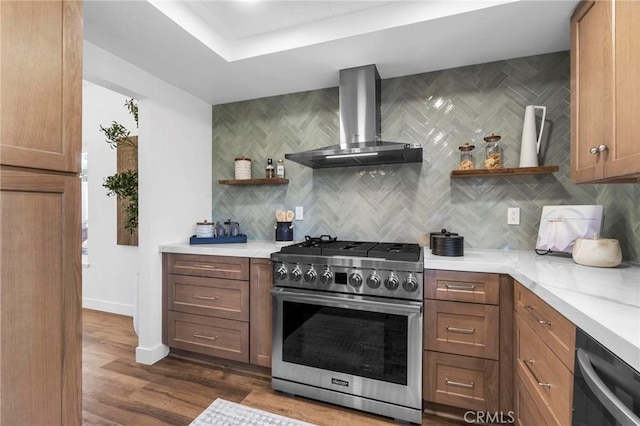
pixel 174 168
pixel 109 278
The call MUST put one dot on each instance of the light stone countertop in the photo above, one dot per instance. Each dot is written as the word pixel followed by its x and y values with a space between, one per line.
pixel 256 248
pixel 604 302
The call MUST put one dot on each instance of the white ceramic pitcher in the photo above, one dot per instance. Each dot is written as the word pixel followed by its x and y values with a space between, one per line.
pixel 530 145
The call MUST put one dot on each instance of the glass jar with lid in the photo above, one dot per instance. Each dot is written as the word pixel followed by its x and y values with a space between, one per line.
pixel 467 157
pixel 493 152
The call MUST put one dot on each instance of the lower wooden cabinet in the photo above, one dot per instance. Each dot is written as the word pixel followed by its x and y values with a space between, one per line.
pixel 218 306
pixel 260 319
pixel 461 381
pixel 468 341
pixel 543 361
pixel 40 302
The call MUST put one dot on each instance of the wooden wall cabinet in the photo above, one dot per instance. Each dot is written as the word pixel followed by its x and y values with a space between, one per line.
pixel 40 261
pixel 41 83
pixel 544 360
pixel 218 306
pixel 605 92
pixel 467 361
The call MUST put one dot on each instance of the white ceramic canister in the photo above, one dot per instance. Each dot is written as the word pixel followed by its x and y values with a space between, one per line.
pixel 204 229
pixel 242 168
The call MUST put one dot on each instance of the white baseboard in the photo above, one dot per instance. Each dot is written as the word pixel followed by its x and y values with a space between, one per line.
pixel 151 355
pixel 106 306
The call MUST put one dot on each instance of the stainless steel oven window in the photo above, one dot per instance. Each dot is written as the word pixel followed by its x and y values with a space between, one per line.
pixel 361 343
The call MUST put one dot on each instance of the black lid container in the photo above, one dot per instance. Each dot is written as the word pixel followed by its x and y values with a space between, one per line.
pixel 446 244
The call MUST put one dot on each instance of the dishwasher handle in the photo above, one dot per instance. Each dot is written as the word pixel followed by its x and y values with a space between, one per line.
pixel 607 398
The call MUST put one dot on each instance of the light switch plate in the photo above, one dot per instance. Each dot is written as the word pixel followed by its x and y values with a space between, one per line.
pixel 299 213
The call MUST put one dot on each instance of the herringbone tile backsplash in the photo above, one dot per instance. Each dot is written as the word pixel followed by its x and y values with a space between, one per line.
pixel 442 110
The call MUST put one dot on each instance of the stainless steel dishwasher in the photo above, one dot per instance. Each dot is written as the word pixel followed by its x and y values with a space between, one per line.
pixel 606 389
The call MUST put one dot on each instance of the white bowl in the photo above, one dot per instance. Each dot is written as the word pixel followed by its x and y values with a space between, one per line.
pixel 603 252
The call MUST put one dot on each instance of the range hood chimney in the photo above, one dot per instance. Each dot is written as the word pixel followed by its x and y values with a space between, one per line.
pixel 360 143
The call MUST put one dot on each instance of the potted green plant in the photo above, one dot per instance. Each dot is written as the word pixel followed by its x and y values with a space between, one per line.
pixel 124 183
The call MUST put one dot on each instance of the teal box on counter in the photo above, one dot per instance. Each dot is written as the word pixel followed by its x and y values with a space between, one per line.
pixel 242 238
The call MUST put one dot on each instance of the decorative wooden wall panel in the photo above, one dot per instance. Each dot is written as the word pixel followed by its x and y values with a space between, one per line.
pixel 127 159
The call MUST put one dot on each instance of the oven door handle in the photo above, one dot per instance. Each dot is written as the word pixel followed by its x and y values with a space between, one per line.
pixel 607 398
pixel 351 302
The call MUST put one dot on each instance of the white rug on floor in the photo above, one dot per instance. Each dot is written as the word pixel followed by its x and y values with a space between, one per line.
pixel 223 412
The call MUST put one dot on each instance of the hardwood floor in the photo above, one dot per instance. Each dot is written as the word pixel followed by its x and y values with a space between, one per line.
pixel 119 391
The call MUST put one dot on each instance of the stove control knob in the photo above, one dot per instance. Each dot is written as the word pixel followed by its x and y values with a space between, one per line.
pixel 310 276
pixel 391 283
pixel 410 284
pixel 326 277
pixel 296 274
pixel 355 280
pixel 281 273
pixel 373 281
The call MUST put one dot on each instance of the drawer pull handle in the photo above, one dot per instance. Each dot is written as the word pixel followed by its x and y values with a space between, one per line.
pixel 460 287
pixel 204 337
pixel 529 309
pixel 529 364
pixel 205 265
pixel 459 384
pixel 461 330
pixel 205 297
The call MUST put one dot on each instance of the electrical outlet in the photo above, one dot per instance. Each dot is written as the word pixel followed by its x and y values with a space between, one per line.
pixel 513 216
pixel 299 213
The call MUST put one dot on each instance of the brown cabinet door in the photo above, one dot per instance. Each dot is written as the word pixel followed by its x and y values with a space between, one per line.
pixel 40 320
pixel 461 381
pixel 552 328
pixel 41 84
pixel 462 328
pixel 260 312
pixel 623 157
pixel 542 374
pixel 591 89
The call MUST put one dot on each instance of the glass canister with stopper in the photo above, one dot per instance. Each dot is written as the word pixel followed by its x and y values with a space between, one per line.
pixel 493 152
pixel 467 157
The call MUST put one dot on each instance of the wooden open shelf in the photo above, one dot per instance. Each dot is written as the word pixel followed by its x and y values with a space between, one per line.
pixel 264 181
pixel 511 171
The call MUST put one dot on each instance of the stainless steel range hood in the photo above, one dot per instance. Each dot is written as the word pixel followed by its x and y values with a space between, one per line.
pixel 360 142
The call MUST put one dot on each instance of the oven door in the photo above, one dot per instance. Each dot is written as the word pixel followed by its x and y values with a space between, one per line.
pixel 364 346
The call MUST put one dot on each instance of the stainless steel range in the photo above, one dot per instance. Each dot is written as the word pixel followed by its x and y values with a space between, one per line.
pixel 347 324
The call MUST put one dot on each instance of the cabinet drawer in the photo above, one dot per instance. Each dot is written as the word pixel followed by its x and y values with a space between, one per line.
pixel 211 336
pixel 526 410
pixel 554 329
pixel 457 286
pixel 209 296
pixel 461 381
pixel 542 373
pixel 461 328
pixel 232 268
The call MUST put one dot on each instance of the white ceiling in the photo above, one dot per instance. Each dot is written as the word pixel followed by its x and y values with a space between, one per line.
pixel 230 50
